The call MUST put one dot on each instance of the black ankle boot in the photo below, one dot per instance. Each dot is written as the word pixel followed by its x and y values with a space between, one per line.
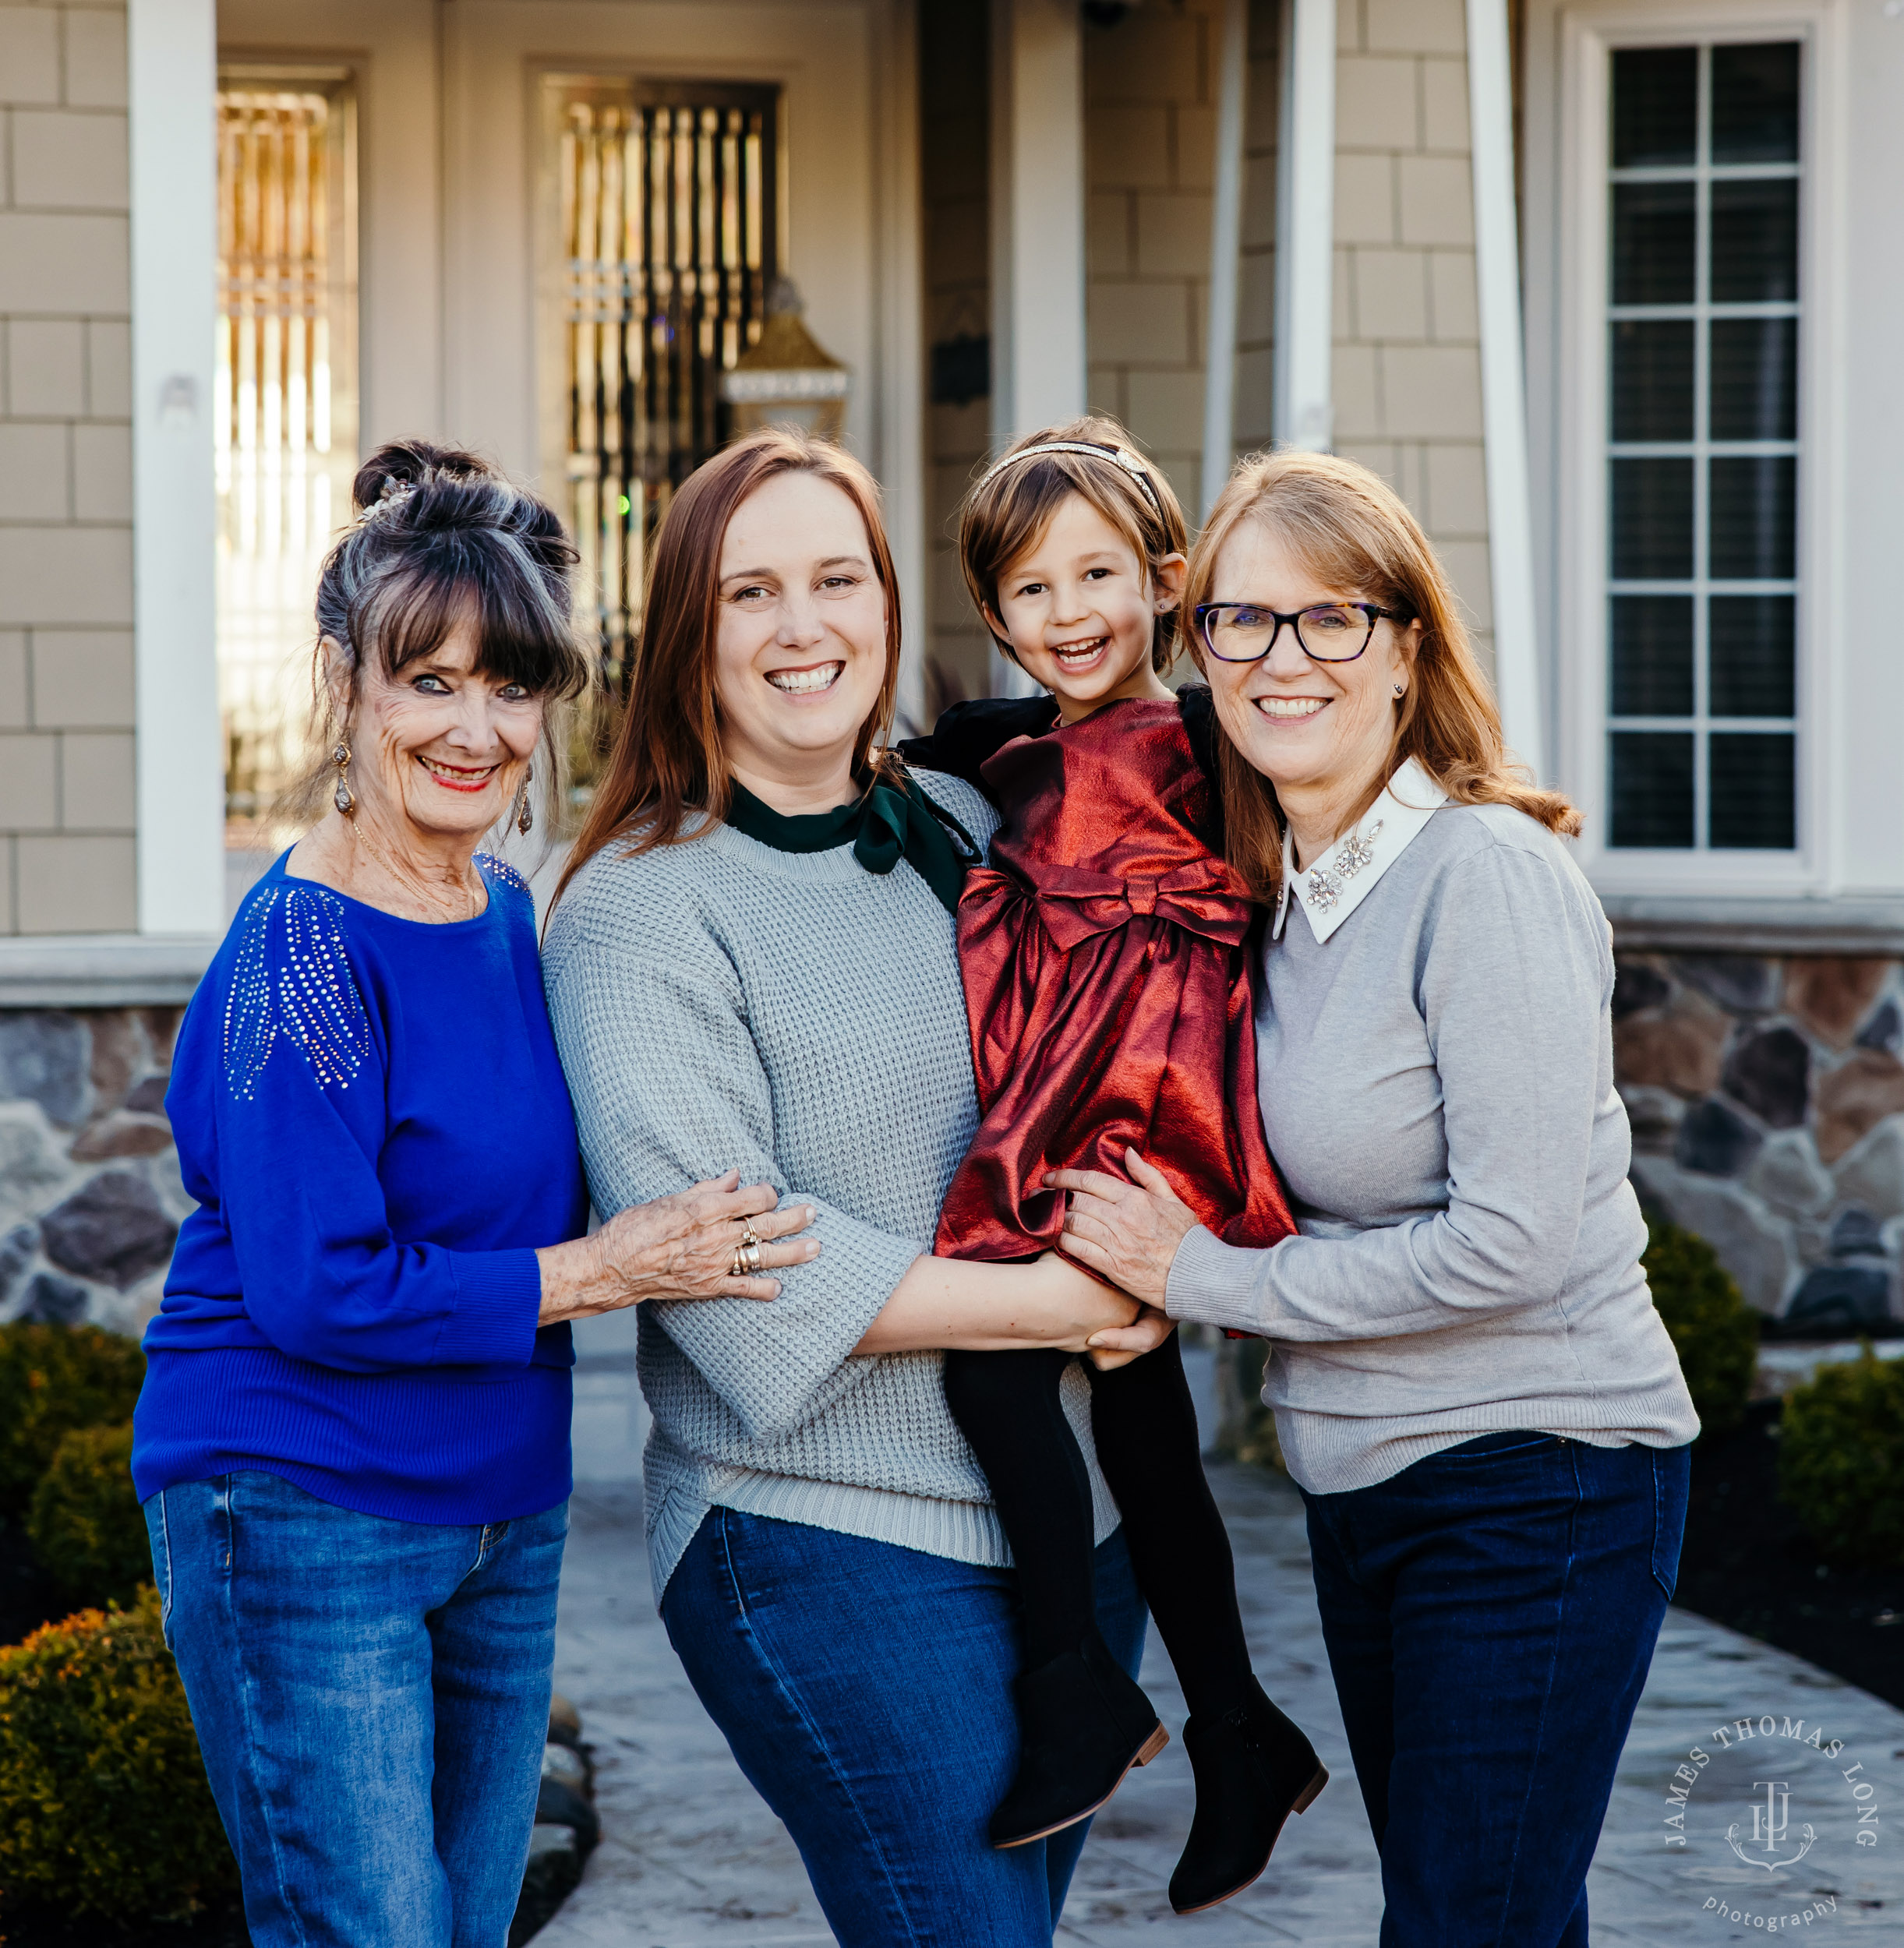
pixel 1083 1723
pixel 1253 1769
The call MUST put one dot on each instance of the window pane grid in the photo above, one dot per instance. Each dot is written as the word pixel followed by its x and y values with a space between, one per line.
pixel 1689 512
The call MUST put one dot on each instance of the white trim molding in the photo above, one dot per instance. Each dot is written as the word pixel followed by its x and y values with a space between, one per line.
pixel 1303 412
pixel 172 80
pixel 103 970
pixel 1225 250
pixel 1504 388
pixel 1038 343
pixel 1568 106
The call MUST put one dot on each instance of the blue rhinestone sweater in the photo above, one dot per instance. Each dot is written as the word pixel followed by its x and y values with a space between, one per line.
pixel 371 1115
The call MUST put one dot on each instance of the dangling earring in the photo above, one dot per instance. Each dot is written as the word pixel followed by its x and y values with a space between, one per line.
pixel 342 797
pixel 524 817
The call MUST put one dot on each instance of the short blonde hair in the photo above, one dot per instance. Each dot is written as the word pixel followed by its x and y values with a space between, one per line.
pixel 1350 528
pixel 1003 513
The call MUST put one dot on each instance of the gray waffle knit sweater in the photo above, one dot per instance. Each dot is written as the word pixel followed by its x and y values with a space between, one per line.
pixel 720 1003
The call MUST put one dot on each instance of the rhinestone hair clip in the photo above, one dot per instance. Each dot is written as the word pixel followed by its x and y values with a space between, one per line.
pixel 395 493
pixel 1119 457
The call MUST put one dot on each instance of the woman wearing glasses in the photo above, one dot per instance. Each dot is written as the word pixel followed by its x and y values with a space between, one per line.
pixel 1472 1390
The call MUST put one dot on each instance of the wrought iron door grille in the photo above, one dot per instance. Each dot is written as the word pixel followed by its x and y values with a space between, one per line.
pixel 285 407
pixel 664 210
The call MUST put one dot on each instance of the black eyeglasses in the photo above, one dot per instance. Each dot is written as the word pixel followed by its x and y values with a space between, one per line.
pixel 1329 633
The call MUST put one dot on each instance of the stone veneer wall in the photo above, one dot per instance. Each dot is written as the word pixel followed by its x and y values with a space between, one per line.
pixel 66 847
pixel 90 1197
pixel 1767 1099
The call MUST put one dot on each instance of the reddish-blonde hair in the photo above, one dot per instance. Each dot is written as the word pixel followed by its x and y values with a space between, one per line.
pixel 670 759
pixel 1350 530
pixel 1004 514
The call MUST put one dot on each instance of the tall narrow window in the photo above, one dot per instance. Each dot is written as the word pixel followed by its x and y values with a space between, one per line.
pixel 285 415
pixel 662 201
pixel 1706 606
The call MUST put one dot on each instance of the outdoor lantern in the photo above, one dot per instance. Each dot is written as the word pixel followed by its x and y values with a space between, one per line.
pixel 786 378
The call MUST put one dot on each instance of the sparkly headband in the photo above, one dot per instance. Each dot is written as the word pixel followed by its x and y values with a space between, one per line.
pixel 1121 457
pixel 395 493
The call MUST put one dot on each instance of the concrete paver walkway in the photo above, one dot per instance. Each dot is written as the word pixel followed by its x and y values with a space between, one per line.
pixel 691 1858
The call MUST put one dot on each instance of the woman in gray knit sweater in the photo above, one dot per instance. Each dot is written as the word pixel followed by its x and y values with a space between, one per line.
pixel 1472 1389
pixel 752 965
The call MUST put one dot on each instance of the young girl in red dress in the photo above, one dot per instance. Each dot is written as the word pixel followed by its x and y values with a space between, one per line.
pixel 1109 990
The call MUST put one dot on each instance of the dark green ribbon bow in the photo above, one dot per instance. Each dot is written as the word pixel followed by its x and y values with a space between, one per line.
pixel 883 826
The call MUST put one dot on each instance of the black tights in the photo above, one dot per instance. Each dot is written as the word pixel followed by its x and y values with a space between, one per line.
pixel 1144 1422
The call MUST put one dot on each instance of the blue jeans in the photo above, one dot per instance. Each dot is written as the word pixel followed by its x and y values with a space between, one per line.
pixel 371 1698
pixel 1490 1613
pixel 865 1691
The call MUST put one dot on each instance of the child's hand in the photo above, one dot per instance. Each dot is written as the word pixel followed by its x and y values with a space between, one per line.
pixel 1129 1233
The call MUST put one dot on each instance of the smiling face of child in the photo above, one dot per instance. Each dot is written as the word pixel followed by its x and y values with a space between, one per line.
pixel 1079 607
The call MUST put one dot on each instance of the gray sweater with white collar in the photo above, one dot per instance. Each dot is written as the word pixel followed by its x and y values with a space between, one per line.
pixel 1437 1085
pixel 719 1003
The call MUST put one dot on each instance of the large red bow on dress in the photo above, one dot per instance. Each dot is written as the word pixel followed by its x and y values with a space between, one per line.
pixel 1076 904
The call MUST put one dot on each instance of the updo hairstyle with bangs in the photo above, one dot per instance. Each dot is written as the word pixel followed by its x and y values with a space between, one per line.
pixel 1008 508
pixel 441 537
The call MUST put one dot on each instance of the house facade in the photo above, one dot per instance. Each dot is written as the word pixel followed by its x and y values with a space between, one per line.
pixel 1604 288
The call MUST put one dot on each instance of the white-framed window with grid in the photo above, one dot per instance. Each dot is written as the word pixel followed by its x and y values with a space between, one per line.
pixel 1695 607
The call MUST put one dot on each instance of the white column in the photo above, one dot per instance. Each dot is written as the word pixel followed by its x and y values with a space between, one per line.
pixel 1037 231
pixel 1302 413
pixel 1503 393
pixel 1226 246
pixel 172 63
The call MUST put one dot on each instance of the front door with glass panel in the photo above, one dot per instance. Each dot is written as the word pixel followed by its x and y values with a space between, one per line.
pixel 1706 610
pixel 662 197
pixel 285 408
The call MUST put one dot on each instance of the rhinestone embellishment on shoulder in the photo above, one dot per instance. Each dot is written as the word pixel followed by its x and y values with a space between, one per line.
pixel 293 979
pixel 1324 885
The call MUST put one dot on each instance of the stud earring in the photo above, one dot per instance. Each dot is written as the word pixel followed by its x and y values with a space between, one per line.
pixel 524 817
pixel 1400 689
pixel 343 798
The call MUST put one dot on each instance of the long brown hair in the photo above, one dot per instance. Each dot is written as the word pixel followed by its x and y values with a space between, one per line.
pixel 670 759
pixel 1004 514
pixel 1350 530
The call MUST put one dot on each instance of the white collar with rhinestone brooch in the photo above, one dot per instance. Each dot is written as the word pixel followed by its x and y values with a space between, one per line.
pixel 1345 875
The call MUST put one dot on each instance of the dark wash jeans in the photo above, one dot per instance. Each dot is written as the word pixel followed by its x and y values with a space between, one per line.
pixel 371 1698
pixel 1490 1613
pixel 865 1691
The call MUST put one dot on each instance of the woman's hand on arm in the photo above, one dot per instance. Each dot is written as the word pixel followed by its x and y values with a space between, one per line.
pixel 678 1247
pixel 977 1307
pixel 1128 1232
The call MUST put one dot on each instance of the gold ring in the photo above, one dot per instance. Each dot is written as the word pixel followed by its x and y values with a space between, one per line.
pixel 750 1254
pixel 735 1263
pixel 747 1233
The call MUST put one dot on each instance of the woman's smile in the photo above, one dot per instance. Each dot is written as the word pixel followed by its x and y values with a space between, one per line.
pixel 458 778
pixel 806 680
pixel 1290 710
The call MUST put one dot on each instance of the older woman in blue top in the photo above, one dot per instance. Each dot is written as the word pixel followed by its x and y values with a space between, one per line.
pixel 352 1446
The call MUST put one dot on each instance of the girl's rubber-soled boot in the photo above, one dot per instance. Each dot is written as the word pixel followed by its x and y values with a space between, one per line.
pixel 1084 1722
pixel 1253 1769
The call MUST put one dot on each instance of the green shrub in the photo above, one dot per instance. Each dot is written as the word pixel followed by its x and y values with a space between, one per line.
pixel 1715 1332
pixel 104 1807
pixel 53 1378
pixel 87 1531
pixel 1841 1459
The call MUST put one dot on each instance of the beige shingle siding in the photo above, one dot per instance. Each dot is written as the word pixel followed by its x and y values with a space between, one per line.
pixel 66 830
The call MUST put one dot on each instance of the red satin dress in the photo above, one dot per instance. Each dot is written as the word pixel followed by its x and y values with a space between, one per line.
pixel 1110 994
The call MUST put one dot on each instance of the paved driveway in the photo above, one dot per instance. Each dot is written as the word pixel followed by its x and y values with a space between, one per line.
pixel 691 1858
